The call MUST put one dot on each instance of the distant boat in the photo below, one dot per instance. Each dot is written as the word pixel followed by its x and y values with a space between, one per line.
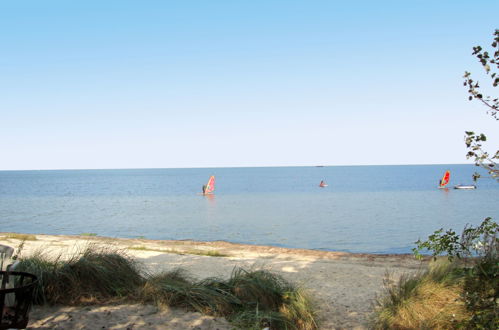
pixel 209 187
pixel 445 180
pixel 464 186
pixel 322 184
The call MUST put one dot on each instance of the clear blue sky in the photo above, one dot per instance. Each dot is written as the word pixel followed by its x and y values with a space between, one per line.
pixel 140 84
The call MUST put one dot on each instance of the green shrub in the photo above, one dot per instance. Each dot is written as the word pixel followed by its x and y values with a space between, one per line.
pixel 477 248
pixel 481 294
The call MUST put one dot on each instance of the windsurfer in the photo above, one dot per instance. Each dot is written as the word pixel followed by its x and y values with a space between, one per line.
pixel 445 180
pixel 209 187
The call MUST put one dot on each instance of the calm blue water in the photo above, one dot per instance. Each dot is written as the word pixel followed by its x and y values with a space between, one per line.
pixel 375 209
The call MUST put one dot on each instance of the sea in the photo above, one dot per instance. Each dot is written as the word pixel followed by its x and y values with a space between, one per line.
pixel 364 209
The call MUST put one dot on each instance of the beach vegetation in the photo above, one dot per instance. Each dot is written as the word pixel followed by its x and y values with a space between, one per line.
pixel 98 275
pixel 474 141
pixel 249 299
pixel 208 253
pixel 472 279
pixel 460 290
pixel 427 300
pixel 88 234
pixel 21 237
pixel 480 242
pixel 94 275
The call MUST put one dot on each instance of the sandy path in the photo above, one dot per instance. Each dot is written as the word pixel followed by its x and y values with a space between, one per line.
pixel 122 317
pixel 343 285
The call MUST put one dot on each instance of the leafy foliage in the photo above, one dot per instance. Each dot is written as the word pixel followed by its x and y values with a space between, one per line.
pixel 473 140
pixel 481 280
pixel 480 241
pixel 481 294
pixel 479 245
pixel 481 285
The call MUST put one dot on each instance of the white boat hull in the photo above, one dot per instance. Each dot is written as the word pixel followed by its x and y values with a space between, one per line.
pixel 465 187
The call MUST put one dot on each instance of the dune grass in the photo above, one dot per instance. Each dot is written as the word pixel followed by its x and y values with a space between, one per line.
pixel 94 275
pixel 428 300
pixel 249 298
pixel 208 253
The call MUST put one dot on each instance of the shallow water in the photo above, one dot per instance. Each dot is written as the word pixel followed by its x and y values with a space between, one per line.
pixel 374 209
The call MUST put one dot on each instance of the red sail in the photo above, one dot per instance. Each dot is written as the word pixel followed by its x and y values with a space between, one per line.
pixel 210 186
pixel 445 179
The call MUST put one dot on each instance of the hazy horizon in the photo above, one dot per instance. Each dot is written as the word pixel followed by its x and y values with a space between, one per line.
pixel 208 167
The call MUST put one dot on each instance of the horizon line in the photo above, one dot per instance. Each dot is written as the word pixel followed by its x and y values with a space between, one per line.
pixel 212 167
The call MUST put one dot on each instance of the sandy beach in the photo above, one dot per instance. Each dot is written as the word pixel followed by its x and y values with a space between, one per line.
pixel 344 286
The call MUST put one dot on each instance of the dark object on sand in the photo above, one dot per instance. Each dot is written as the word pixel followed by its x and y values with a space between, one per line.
pixel 16 298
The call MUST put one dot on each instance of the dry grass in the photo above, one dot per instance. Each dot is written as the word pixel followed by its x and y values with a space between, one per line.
pixel 96 275
pixel 299 309
pixel 21 237
pixel 208 253
pixel 430 300
pixel 433 306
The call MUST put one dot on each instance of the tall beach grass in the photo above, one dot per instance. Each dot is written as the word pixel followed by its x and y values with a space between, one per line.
pixel 427 300
pixel 93 275
pixel 248 298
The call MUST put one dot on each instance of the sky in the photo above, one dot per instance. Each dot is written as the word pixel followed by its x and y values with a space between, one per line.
pixel 166 84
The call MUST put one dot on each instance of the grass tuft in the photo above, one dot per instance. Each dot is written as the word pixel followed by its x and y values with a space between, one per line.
pixel 259 288
pixel 429 300
pixel 94 276
pixel 299 310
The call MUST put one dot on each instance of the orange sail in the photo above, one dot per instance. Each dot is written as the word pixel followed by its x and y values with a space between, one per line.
pixel 445 179
pixel 210 186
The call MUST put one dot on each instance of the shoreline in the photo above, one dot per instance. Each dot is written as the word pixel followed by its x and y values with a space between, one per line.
pixel 222 244
pixel 344 285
